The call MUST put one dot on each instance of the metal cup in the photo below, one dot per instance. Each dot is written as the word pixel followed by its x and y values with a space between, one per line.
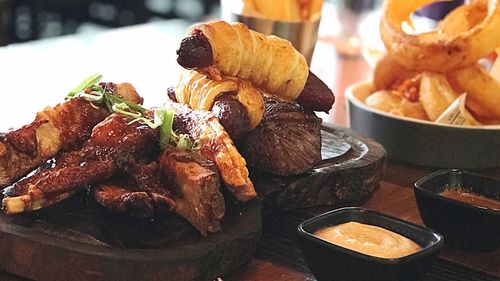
pixel 302 34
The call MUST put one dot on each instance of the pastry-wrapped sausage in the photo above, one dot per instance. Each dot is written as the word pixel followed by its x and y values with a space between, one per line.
pixel 199 92
pixel 268 62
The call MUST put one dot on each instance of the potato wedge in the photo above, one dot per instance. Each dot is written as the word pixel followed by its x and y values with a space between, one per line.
pixel 394 104
pixel 435 94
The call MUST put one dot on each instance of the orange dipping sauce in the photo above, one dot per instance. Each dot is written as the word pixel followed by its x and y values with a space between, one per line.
pixel 369 239
pixel 462 195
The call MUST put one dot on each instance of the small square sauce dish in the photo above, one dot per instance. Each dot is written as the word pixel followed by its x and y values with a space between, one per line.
pixel 464 207
pixel 368 229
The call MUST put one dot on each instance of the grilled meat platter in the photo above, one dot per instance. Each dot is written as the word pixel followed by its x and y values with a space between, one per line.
pixel 236 107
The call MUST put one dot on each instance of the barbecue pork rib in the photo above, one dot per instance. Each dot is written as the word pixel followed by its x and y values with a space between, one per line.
pixel 195 187
pixel 61 128
pixel 120 198
pixel 138 193
pixel 217 146
pixel 183 181
pixel 113 145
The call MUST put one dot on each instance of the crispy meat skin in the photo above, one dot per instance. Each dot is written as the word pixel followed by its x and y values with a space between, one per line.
pixel 196 189
pixel 119 198
pixel 61 128
pixel 287 141
pixel 113 145
pixel 128 198
pixel 217 146
pixel 142 194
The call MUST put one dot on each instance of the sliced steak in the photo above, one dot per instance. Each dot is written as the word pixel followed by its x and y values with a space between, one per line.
pixel 286 142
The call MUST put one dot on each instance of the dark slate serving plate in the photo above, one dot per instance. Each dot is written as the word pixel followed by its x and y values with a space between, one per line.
pixel 78 240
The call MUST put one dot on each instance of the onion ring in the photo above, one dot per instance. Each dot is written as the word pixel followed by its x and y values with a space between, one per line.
pixel 436 51
pixel 464 18
pixel 495 68
pixel 389 72
pixel 481 88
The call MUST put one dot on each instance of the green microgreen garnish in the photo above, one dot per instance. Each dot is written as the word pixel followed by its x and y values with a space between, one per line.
pixel 163 117
pixel 167 120
pixel 92 80
pixel 167 135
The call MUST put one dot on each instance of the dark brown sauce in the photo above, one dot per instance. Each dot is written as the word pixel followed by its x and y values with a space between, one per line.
pixel 465 196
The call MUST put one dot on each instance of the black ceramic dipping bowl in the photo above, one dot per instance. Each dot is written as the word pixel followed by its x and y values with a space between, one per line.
pixel 463 225
pixel 330 262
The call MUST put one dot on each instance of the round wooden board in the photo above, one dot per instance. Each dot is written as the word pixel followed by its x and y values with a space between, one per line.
pixel 76 240
pixel 351 169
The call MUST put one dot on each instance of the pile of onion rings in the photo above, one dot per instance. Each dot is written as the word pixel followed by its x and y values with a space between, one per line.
pixel 448 55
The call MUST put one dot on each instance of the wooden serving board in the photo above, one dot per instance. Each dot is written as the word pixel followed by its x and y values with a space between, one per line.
pixel 78 240
pixel 351 169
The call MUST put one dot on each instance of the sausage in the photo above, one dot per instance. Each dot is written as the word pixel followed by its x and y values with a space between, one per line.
pixel 316 95
pixel 232 115
pixel 195 52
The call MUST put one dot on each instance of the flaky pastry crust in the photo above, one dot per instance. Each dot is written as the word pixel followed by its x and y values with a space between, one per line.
pixel 269 62
pixel 199 92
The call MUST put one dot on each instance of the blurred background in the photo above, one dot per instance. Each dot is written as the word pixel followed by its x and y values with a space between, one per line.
pixel 25 20
pixel 347 21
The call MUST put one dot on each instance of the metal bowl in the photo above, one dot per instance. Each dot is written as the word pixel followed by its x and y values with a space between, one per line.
pixel 302 34
pixel 423 143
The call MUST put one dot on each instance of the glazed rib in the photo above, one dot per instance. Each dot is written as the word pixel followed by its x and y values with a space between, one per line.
pixel 113 145
pixel 121 198
pixel 139 193
pixel 61 128
pixel 183 181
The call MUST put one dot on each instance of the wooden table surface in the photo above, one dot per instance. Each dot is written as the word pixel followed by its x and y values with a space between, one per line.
pixel 40 73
